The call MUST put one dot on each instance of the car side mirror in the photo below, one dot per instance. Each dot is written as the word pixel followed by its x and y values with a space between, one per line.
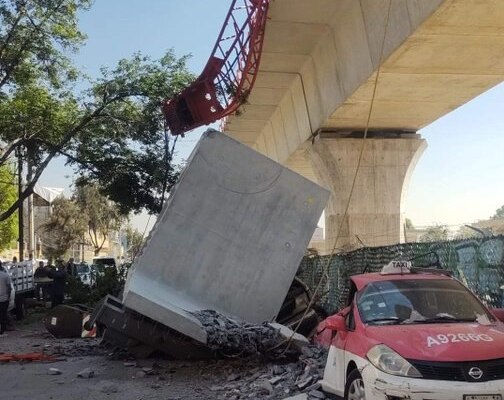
pixel 336 323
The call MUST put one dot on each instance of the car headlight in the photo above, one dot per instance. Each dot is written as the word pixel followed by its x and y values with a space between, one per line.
pixel 388 361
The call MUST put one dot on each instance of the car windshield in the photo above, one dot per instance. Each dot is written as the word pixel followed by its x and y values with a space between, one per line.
pixel 419 301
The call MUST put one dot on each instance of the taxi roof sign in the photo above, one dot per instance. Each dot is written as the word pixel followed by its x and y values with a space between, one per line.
pixel 397 267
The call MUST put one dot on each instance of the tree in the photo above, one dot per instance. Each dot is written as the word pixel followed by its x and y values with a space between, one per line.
pixel 35 74
pixel 499 213
pixel 135 242
pixel 128 151
pixel 8 194
pixel 114 134
pixel 102 216
pixel 34 37
pixel 436 233
pixel 65 228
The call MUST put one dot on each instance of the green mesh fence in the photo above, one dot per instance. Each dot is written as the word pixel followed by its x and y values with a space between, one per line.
pixel 478 262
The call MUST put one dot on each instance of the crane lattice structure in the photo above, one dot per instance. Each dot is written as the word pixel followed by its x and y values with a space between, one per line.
pixel 229 75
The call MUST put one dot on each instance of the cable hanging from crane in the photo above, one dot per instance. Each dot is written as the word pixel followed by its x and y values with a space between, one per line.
pixel 229 75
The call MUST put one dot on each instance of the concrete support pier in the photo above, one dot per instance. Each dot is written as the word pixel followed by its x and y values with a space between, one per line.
pixel 376 213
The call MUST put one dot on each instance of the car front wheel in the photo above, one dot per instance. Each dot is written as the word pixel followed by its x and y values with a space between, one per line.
pixel 354 388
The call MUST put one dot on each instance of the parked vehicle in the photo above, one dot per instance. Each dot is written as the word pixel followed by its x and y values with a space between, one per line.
pixel 106 261
pixel 21 274
pixel 413 334
pixel 84 273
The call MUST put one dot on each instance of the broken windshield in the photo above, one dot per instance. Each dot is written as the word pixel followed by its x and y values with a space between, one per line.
pixel 418 301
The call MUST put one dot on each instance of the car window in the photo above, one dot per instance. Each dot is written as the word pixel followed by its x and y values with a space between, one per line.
pixel 417 301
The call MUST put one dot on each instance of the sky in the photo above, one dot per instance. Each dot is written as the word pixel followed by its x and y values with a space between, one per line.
pixel 457 180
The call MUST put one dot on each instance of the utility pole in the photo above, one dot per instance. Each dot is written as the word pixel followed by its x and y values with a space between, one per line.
pixel 20 208
pixel 31 217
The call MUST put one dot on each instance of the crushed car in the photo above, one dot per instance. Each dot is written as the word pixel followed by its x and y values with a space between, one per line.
pixel 411 333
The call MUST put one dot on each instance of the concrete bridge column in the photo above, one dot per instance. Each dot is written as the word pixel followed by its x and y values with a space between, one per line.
pixel 376 213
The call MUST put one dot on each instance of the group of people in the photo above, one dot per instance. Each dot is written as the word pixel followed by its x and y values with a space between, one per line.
pixel 49 282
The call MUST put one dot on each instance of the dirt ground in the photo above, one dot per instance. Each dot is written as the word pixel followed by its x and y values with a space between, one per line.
pixel 117 377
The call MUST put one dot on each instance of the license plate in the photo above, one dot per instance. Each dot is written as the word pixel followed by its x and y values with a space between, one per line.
pixel 482 397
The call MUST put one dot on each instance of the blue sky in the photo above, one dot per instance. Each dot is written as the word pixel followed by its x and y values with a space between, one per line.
pixel 458 179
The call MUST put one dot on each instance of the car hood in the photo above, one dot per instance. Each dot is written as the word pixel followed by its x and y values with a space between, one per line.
pixel 449 342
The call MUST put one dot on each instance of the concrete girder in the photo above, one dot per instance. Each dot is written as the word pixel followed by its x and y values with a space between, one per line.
pixel 438 55
pixel 230 238
pixel 321 58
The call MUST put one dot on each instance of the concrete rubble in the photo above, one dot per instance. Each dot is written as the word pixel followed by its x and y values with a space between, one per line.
pixel 256 376
pixel 54 371
pixel 277 380
pixel 232 337
pixel 86 373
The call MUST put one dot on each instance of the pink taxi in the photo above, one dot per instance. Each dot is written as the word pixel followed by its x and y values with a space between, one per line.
pixel 410 334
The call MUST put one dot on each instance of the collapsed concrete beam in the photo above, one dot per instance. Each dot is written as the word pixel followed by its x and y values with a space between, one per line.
pixel 230 238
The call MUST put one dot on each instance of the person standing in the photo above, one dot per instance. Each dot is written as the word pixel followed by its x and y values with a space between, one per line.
pixel 58 275
pixel 71 267
pixel 42 281
pixel 5 293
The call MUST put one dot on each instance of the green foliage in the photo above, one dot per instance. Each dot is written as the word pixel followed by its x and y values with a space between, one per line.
pixel 135 242
pixel 8 194
pixel 36 107
pixel 65 227
pixel 409 224
pixel 101 215
pixel 109 281
pixel 38 116
pixel 88 215
pixel 34 37
pixel 114 136
pixel 114 133
pixel 78 292
pixel 436 233
pixel 127 151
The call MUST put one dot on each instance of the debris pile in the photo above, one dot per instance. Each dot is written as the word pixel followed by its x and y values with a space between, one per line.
pixel 290 372
pixel 276 381
pixel 74 348
pixel 231 337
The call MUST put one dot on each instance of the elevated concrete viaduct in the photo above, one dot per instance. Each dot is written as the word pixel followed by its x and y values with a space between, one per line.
pixel 312 96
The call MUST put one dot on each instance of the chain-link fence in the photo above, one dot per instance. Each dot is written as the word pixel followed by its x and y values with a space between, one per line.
pixel 478 262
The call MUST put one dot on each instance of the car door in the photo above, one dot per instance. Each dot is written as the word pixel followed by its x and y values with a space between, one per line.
pixel 335 371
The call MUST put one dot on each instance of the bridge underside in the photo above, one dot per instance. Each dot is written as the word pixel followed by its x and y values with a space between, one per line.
pixel 320 59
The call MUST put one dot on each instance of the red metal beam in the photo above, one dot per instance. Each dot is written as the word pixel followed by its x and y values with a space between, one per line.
pixel 230 73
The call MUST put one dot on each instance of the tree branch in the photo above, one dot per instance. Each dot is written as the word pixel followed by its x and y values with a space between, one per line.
pixel 102 243
pixel 11 33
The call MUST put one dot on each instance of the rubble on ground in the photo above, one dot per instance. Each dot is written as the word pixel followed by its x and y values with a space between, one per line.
pixel 243 377
pixel 255 379
pixel 86 373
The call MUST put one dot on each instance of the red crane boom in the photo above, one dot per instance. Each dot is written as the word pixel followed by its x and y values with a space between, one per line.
pixel 229 75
